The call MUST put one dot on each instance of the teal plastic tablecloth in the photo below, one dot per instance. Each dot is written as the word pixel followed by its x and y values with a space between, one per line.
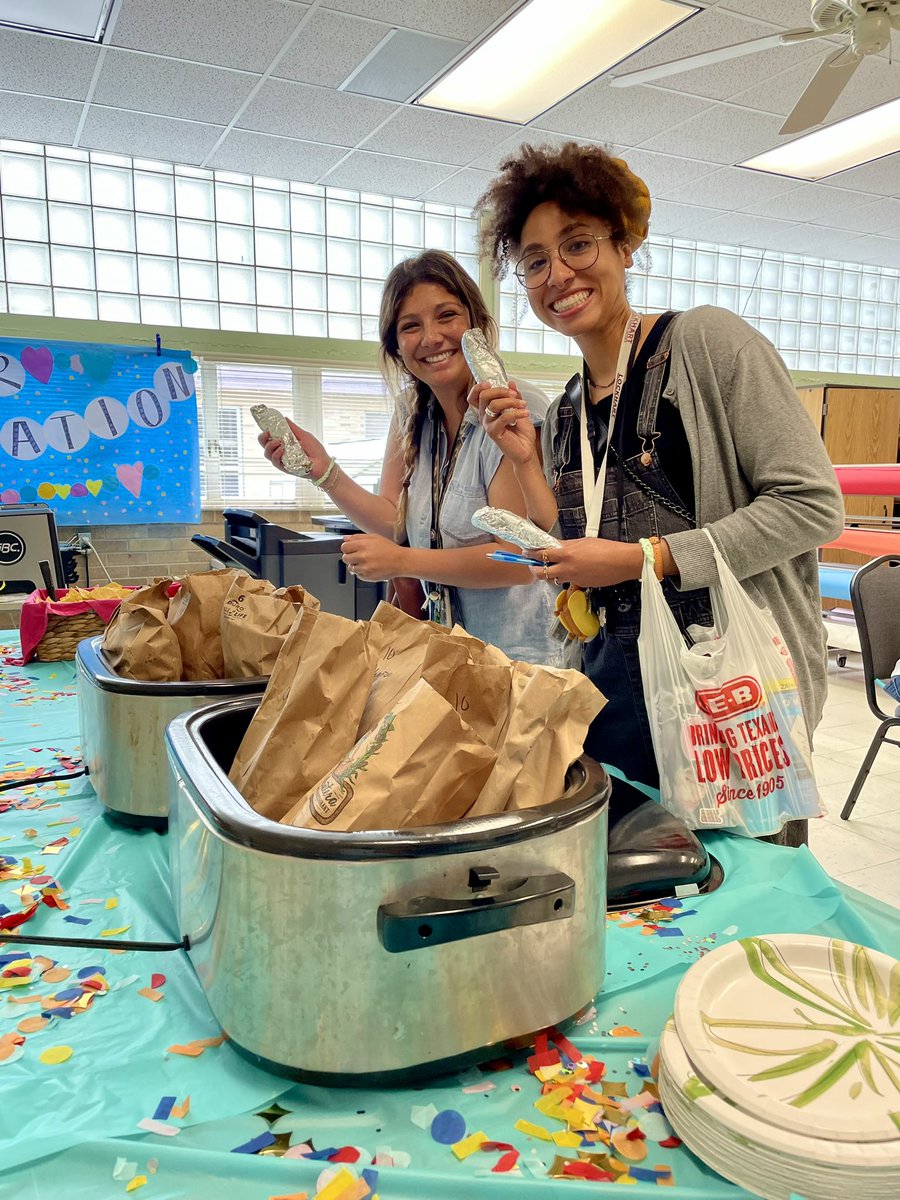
pixel 65 1127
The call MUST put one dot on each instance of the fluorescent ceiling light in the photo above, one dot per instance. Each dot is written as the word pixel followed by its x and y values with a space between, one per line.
pixel 546 51
pixel 83 19
pixel 870 134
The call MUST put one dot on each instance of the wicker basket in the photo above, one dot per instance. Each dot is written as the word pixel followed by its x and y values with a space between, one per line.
pixel 64 633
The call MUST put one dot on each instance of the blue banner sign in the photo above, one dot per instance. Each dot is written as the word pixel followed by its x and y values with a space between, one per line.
pixel 106 435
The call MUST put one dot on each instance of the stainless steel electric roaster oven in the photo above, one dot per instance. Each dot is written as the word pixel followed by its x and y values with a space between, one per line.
pixel 370 957
pixel 123 723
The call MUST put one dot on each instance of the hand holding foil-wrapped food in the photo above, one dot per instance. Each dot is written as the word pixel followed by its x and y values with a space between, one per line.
pixel 510 527
pixel 294 458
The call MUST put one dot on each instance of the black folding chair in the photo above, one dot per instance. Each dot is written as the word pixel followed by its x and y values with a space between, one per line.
pixel 875 592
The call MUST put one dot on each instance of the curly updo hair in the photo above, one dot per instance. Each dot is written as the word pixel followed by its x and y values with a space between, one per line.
pixel 580 179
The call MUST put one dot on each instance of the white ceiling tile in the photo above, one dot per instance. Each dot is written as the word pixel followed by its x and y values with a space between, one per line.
pixel 47 66
pixel 387 176
pixel 883 251
pixel 814 240
pixel 463 188
pixel 491 159
pixel 670 219
pixel 865 216
pixel 275 157
pixel 728 188
pixel 882 177
pixel 38 119
pixel 461 19
pixel 808 202
pixel 720 134
pixel 329 47
pixel 624 116
pixel 737 229
pixel 223 32
pixel 435 136
pixel 662 172
pixel 786 14
pixel 143 136
pixel 313 114
pixel 192 91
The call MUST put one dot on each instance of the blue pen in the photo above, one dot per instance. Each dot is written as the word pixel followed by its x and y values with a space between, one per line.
pixel 506 556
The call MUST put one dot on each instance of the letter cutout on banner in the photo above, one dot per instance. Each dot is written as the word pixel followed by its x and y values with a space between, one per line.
pixel 104 434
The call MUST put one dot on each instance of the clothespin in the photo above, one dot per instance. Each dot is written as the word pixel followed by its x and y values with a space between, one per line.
pixel 158 346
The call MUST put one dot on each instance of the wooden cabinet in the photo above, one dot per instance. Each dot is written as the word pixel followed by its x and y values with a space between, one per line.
pixel 858 425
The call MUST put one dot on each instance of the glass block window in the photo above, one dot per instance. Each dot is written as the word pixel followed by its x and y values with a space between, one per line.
pixel 133 240
pixel 821 315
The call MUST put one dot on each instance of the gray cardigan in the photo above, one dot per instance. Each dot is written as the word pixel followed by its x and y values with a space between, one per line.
pixel 763 485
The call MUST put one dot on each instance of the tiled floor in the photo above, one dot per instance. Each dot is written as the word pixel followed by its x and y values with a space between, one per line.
pixel 864 851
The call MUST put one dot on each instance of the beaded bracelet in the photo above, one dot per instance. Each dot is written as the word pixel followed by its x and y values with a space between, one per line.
pixel 326 475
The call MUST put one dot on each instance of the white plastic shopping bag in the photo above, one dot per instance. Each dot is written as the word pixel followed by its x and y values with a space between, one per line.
pixel 725 716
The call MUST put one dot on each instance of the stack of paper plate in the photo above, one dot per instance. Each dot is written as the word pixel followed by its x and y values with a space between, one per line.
pixel 781 1067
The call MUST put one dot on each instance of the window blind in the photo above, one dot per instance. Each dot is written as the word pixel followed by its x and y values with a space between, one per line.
pixel 347 409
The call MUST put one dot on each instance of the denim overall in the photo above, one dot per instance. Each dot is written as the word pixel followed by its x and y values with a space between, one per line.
pixel 650 507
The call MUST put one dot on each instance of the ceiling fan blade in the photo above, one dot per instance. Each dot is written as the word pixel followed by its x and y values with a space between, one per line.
pixel 821 92
pixel 707 58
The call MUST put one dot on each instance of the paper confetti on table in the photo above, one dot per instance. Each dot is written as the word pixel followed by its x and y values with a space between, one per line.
pixel 134 1184
pixel 151 994
pixel 54 1055
pixel 114 932
pixel 196 1048
pixel 160 1127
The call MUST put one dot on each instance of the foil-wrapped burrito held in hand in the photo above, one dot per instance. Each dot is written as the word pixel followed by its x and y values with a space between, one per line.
pixel 484 362
pixel 510 527
pixel 294 458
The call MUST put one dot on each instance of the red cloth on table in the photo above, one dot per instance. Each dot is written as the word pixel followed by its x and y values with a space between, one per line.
pixel 36 612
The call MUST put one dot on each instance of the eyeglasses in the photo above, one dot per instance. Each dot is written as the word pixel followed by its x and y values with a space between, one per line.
pixel 578 252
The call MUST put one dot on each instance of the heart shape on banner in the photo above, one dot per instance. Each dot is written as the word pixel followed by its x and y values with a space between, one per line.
pixel 131 476
pixel 98 364
pixel 62 490
pixel 93 485
pixel 38 362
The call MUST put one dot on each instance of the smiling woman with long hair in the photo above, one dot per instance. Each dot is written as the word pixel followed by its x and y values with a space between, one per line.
pixel 679 424
pixel 439 467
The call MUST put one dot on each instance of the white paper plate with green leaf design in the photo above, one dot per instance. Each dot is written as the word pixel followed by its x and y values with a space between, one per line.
pixel 800 1031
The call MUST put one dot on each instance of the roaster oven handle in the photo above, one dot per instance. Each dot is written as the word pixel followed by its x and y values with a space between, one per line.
pixel 434 920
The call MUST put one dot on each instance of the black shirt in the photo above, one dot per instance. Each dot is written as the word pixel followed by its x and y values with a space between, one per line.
pixel 671 447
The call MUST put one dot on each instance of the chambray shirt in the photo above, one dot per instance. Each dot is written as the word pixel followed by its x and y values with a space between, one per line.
pixel 517 619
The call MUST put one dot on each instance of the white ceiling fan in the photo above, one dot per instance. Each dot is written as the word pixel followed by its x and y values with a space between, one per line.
pixel 866 23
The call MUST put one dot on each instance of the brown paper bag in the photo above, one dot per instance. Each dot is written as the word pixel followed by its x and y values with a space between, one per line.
pixel 482 652
pixel 139 643
pixel 561 741
pixel 255 621
pixel 421 765
pixel 309 714
pixel 481 695
pixel 404 647
pixel 195 613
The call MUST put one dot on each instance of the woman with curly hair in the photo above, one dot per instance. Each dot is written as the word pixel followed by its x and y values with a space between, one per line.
pixel 680 423
pixel 439 467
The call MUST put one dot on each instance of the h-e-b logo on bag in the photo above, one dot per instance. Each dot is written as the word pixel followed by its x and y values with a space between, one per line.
pixel 731 698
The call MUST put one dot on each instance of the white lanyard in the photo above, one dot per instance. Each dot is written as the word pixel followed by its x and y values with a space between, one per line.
pixel 594 488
